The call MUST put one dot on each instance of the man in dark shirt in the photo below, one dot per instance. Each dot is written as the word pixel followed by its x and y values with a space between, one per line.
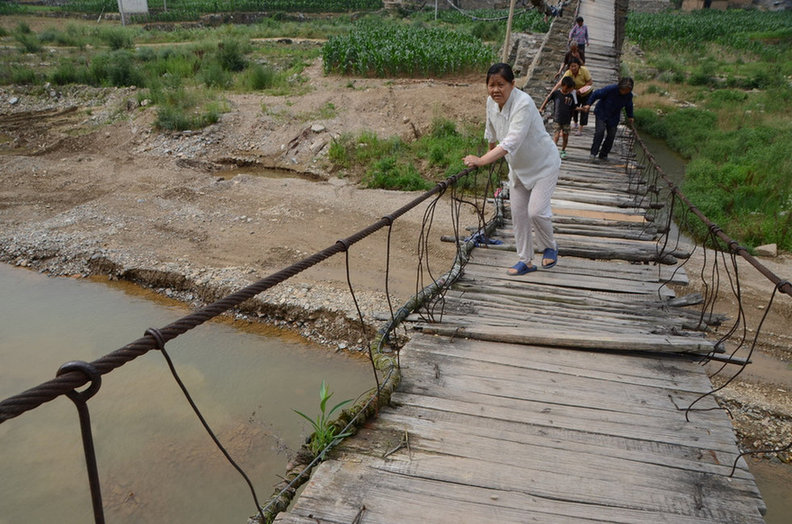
pixel 611 100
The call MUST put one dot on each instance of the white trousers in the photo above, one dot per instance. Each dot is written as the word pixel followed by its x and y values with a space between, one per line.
pixel 530 210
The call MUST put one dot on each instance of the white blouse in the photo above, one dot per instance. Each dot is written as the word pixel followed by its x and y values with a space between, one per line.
pixel 518 128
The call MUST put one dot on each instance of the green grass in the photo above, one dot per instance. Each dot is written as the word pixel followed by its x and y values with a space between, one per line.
pixel 735 70
pixel 395 164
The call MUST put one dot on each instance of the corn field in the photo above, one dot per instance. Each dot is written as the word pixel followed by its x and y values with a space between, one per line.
pixel 411 51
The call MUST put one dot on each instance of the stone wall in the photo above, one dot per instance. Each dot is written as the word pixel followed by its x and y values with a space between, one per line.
pixel 537 76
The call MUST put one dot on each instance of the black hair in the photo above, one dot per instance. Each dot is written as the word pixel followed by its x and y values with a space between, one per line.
pixel 501 69
pixel 626 82
pixel 567 81
pixel 579 19
pixel 574 60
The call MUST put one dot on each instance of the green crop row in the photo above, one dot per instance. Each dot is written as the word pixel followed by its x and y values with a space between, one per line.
pixel 749 30
pixel 526 20
pixel 221 6
pixel 394 50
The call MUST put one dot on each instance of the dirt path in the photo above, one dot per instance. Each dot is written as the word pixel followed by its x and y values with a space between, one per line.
pixel 80 196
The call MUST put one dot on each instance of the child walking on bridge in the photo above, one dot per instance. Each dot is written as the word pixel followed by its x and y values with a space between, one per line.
pixel 565 102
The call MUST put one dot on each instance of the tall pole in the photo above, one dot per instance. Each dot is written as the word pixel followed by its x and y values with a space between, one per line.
pixel 508 32
pixel 121 11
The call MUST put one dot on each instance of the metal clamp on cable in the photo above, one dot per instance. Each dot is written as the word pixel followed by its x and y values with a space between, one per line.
pixel 715 229
pixel 89 371
pixel 389 219
pixel 784 283
pixel 343 243
pixel 735 246
pixel 156 334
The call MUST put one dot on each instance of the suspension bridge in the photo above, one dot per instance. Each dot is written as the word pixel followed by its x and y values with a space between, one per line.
pixel 558 396
pixel 575 393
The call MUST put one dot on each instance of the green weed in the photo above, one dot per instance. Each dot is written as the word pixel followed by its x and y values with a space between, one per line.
pixel 325 432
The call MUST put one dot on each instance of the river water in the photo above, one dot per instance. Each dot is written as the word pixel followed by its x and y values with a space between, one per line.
pixel 156 462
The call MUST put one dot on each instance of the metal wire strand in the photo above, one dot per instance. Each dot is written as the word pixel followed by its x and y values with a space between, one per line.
pixel 742 367
pixel 157 335
pixel 362 322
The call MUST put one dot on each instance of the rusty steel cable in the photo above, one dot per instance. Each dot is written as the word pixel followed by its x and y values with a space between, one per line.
pixel 784 287
pixel 60 385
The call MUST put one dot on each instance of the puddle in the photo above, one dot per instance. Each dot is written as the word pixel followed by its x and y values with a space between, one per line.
pixel 265 172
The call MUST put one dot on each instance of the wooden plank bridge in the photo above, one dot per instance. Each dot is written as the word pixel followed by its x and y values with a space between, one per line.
pixel 530 402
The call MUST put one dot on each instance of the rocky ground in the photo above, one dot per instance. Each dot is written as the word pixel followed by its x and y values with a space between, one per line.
pixel 88 187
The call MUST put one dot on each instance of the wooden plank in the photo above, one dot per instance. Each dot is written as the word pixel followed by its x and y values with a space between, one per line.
pixel 577 281
pixel 290 518
pixel 589 422
pixel 453 375
pixel 608 491
pixel 678 374
pixel 417 499
pixel 602 248
pixel 581 340
pixel 636 452
pixel 428 434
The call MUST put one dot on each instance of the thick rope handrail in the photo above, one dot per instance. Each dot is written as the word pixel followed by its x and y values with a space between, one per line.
pixel 782 285
pixel 60 385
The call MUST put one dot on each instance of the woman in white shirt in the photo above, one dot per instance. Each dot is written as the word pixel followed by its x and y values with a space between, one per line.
pixel 515 130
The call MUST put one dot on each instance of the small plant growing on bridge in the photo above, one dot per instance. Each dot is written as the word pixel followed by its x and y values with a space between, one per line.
pixel 324 429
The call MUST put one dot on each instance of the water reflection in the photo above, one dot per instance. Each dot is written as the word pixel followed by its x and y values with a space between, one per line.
pixel 156 463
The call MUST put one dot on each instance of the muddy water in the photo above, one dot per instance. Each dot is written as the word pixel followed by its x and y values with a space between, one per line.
pixel 156 463
pixel 774 480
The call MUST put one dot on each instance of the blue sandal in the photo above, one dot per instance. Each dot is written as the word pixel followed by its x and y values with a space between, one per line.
pixel 520 268
pixel 551 254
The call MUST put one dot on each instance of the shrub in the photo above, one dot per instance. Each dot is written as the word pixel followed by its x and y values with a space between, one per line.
pixel 259 77
pixel 725 98
pixel 70 74
pixel 18 75
pixel 387 173
pixel 116 37
pixel 177 118
pixel 28 42
pixel 214 75
pixel 231 55
pixel 116 68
